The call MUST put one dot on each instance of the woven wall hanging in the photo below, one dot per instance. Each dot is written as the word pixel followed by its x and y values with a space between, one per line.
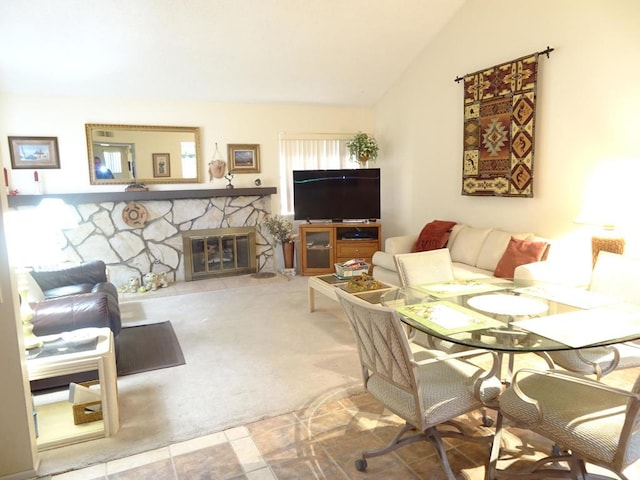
pixel 499 129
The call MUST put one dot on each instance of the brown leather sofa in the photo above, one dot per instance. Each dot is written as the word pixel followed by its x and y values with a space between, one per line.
pixel 75 297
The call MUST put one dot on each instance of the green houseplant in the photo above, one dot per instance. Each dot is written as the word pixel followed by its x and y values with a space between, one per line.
pixel 362 148
pixel 281 230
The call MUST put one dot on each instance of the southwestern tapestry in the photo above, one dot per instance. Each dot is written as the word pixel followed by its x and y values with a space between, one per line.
pixel 499 113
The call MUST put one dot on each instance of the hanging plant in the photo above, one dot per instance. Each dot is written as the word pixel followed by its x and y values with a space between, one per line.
pixel 363 148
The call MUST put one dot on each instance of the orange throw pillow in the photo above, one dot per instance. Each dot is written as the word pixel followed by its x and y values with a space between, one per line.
pixel 434 235
pixel 519 252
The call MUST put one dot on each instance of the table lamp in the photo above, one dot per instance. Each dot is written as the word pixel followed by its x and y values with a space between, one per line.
pixel 605 239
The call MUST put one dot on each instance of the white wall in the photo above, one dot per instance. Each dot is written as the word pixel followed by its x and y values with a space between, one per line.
pixel 65 117
pixel 587 112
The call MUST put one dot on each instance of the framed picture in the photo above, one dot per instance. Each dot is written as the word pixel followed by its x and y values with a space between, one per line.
pixel 244 158
pixel 161 165
pixel 34 152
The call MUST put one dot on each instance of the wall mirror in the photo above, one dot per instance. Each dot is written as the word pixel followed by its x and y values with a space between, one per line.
pixel 124 154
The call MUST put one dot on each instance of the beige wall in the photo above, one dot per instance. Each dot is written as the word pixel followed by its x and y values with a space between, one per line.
pixel 17 442
pixel 587 113
pixel 65 117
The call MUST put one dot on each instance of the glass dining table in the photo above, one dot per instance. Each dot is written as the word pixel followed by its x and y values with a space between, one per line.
pixel 515 316
pixel 511 317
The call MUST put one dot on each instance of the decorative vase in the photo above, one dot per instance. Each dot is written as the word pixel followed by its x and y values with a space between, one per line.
pixel 363 161
pixel 287 254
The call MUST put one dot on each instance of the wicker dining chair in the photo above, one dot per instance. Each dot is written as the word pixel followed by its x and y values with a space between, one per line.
pixel 590 421
pixel 426 388
pixel 431 266
pixel 618 276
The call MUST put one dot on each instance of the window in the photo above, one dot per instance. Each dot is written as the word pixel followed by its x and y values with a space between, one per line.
pixel 309 152
pixel 188 159
pixel 113 160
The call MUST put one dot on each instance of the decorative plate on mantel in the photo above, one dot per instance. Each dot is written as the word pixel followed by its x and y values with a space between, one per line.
pixel 135 215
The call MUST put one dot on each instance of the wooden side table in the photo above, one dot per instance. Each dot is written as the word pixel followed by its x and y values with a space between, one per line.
pixel 55 420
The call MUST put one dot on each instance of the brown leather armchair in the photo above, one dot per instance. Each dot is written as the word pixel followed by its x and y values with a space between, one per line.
pixel 75 297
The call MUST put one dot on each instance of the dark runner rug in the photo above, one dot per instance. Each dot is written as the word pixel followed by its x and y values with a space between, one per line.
pixel 148 347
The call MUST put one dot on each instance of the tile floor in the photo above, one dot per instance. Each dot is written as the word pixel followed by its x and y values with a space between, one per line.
pixel 322 442
pixel 318 443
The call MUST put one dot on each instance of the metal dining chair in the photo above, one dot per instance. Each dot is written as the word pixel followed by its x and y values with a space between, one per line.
pixel 431 266
pixel 618 276
pixel 426 388
pixel 592 422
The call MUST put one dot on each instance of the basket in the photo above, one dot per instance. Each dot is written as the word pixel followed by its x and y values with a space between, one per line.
pixel 82 413
pixel 351 269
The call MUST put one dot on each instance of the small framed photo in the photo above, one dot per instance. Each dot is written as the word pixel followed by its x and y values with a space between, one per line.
pixel 161 165
pixel 244 158
pixel 34 152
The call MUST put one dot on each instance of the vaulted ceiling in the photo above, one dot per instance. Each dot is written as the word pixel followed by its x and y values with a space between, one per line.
pixel 334 52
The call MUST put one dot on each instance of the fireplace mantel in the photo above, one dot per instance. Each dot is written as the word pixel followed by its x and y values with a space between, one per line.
pixel 79 198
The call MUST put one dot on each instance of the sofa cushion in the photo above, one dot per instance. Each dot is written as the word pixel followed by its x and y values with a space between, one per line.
pixel 519 252
pixel 494 247
pixel 462 271
pixel 68 290
pixel 467 243
pixel 434 235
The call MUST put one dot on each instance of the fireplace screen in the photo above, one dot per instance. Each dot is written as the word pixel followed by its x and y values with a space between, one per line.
pixel 219 252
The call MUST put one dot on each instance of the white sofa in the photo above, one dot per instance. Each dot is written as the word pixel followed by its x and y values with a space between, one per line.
pixel 475 252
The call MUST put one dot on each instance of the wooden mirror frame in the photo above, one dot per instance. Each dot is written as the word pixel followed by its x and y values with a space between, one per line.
pixel 142 146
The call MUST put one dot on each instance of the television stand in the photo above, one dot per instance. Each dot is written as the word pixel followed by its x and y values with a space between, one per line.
pixel 324 244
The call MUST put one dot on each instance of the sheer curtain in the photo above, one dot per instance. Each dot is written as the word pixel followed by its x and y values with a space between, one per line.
pixel 309 152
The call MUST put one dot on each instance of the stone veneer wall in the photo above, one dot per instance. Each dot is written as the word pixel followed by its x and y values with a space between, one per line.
pixel 157 246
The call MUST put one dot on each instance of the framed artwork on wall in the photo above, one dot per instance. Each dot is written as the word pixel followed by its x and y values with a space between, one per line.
pixel 161 165
pixel 244 158
pixel 34 152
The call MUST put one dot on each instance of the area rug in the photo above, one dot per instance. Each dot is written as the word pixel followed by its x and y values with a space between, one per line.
pixel 148 347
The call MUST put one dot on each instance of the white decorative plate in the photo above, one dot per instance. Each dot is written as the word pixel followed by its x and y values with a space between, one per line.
pixel 80 336
pixel 508 305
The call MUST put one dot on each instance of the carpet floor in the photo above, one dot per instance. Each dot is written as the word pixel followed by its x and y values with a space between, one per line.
pixel 251 352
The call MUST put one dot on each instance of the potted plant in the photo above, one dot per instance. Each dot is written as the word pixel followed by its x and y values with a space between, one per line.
pixel 363 148
pixel 281 230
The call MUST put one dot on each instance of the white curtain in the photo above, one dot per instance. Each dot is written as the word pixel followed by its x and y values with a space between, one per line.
pixel 317 151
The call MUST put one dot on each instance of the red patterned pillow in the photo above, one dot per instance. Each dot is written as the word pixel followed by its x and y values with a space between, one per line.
pixel 434 235
pixel 520 252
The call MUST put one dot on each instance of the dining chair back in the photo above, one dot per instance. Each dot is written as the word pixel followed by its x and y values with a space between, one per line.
pixel 593 422
pixel 426 388
pixel 619 276
pixel 430 266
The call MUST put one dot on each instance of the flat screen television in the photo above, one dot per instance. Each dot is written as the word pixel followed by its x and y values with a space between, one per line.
pixel 336 195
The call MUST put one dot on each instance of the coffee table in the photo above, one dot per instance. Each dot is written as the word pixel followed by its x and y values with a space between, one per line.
pixel 55 420
pixel 327 284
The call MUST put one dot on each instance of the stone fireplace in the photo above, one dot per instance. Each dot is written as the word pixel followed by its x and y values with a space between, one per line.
pixel 157 244
pixel 219 252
